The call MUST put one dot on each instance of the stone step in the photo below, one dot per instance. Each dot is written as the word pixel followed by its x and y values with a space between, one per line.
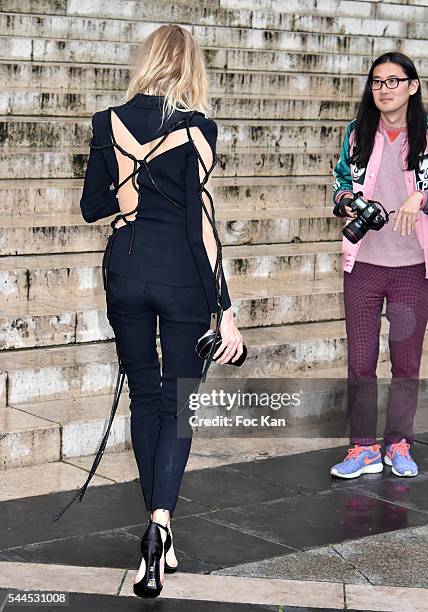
pixel 231 107
pixel 231 12
pixel 60 162
pixel 53 430
pixel 288 36
pixel 313 34
pixel 47 234
pixel 41 277
pixel 26 439
pixel 332 63
pixel 60 50
pixel 76 319
pixel 63 428
pixel 75 77
pixel 38 432
pixel 363 8
pixel 418 29
pixel 53 196
pixel 312 261
pixel 246 134
pixel 383 371
pixel 90 369
pixel 53 323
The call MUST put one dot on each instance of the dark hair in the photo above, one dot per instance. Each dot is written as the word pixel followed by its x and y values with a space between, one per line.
pixel 368 116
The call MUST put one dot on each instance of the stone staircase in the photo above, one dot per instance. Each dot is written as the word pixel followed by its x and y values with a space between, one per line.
pixel 283 87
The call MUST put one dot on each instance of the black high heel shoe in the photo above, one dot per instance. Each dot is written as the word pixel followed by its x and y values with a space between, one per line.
pixel 169 569
pixel 152 548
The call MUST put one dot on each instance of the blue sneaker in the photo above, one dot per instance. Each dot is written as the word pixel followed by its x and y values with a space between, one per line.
pixel 398 456
pixel 359 460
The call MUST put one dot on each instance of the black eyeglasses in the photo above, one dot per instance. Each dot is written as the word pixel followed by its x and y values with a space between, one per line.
pixel 392 83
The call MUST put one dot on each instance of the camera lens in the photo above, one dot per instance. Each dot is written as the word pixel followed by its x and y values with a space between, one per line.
pixel 355 230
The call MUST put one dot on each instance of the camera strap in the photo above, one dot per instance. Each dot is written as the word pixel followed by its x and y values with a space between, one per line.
pixel 383 208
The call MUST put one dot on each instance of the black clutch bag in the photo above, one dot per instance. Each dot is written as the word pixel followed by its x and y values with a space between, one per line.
pixel 205 343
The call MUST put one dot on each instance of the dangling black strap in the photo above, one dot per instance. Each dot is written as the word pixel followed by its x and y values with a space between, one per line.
pixel 81 492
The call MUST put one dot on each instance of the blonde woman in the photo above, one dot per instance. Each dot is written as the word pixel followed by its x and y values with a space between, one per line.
pixel 150 161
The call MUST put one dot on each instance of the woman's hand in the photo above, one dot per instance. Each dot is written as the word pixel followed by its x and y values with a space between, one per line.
pixel 408 213
pixel 231 339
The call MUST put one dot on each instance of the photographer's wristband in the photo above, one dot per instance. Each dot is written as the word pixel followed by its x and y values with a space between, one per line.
pixel 343 194
pixel 341 199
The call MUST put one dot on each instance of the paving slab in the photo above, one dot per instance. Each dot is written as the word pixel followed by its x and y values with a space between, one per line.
pixel 381 559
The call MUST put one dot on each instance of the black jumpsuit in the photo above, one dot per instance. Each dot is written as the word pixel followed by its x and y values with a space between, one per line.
pixel 155 266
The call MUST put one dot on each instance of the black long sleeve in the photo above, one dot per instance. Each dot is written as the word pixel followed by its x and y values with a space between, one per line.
pixel 208 128
pixel 211 135
pixel 98 199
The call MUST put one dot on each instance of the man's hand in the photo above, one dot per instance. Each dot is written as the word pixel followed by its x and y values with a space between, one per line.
pixel 347 210
pixel 343 208
pixel 408 213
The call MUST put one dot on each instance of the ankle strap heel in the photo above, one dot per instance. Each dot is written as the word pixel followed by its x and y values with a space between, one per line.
pixel 159 525
pixel 152 549
pixel 169 569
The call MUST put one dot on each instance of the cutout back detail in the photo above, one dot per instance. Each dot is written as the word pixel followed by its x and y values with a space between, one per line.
pixel 132 156
pixel 178 137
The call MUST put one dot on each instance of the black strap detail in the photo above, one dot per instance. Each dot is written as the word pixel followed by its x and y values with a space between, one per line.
pixel 81 492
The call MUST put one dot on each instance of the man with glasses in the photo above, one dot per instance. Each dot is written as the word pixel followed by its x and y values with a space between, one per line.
pixel 384 155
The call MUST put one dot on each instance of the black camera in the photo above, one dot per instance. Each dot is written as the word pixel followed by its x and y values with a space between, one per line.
pixel 369 216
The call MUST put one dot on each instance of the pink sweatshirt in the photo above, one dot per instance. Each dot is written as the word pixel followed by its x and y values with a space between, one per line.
pixel 386 247
pixel 350 250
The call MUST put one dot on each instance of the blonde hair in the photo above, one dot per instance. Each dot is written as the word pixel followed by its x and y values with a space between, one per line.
pixel 171 63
